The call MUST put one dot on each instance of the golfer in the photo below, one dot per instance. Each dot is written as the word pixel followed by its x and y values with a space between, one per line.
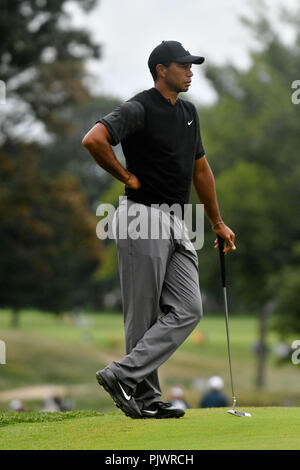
pixel 161 141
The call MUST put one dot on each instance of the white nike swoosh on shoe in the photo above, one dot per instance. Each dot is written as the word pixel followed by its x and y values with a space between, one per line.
pixel 149 412
pixel 127 397
pixel 190 122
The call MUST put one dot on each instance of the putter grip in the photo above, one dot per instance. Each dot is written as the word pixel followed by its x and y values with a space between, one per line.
pixel 222 259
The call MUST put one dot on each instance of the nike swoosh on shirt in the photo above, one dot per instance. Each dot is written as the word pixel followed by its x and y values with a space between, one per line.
pixel 190 122
pixel 127 397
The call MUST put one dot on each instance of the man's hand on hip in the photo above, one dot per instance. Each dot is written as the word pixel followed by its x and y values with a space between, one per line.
pixel 132 182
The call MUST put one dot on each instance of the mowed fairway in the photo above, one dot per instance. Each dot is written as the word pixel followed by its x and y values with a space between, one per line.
pixel 47 350
pixel 268 428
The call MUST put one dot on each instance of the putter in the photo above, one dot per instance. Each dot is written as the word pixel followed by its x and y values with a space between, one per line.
pixel 233 411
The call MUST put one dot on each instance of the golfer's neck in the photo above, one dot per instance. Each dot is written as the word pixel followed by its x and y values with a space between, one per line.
pixel 166 92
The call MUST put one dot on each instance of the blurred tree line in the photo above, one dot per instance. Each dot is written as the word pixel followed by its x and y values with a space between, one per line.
pixel 252 139
pixel 50 187
pixel 49 253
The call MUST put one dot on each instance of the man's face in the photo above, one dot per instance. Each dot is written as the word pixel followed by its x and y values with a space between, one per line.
pixel 178 77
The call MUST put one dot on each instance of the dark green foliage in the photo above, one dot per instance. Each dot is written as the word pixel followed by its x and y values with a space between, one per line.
pixel 252 139
pixel 41 60
pixel 48 245
pixel 43 417
pixel 49 250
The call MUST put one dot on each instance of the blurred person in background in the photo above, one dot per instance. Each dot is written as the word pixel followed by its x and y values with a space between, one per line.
pixel 177 398
pixel 16 405
pixel 56 403
pixel 214 397
pixel 51 403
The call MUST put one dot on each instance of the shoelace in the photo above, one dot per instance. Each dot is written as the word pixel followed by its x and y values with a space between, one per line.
pixel 163 404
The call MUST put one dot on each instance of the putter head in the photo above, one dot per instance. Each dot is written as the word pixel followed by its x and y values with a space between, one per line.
pixel 239 413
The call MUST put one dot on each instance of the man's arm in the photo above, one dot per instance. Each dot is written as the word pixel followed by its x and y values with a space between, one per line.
pixel 204 184
pixel 98 142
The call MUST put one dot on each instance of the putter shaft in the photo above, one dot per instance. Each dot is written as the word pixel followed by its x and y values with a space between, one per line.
pixel 229 346
pixel 223 274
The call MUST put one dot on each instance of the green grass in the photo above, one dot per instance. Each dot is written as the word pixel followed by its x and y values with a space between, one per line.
pixel 42 417
pixel 104 329
pixel 268 428
pixel 52 350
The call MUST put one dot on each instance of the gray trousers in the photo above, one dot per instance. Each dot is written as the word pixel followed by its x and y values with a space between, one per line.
pixel 161 298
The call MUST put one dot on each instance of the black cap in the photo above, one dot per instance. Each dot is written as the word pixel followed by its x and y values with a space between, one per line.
pixel 172 51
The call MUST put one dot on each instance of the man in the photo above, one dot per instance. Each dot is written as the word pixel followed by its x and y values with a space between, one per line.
pixel 161 141
pixel 177 398
pixel 214 397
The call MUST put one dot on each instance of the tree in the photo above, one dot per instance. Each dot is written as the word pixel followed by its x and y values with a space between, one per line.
pixel 48 248
pixel 287 285
pixel 42 63
pixel 252 138
pixel 65 152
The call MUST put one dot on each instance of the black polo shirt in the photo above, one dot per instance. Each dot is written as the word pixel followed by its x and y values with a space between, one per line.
pixel 160 142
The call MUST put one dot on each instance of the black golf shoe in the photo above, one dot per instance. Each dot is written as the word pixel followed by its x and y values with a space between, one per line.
pixel 160 410
pixel 119 392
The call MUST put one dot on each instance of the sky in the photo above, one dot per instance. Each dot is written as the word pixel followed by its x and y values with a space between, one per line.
pixel 128 31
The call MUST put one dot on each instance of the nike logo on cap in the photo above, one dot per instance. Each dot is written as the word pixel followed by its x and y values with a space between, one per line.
pixel 127 397
pixel 190 122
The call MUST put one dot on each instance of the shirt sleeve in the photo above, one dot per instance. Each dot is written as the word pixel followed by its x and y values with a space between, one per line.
pixel 127 119
pixel 200 152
